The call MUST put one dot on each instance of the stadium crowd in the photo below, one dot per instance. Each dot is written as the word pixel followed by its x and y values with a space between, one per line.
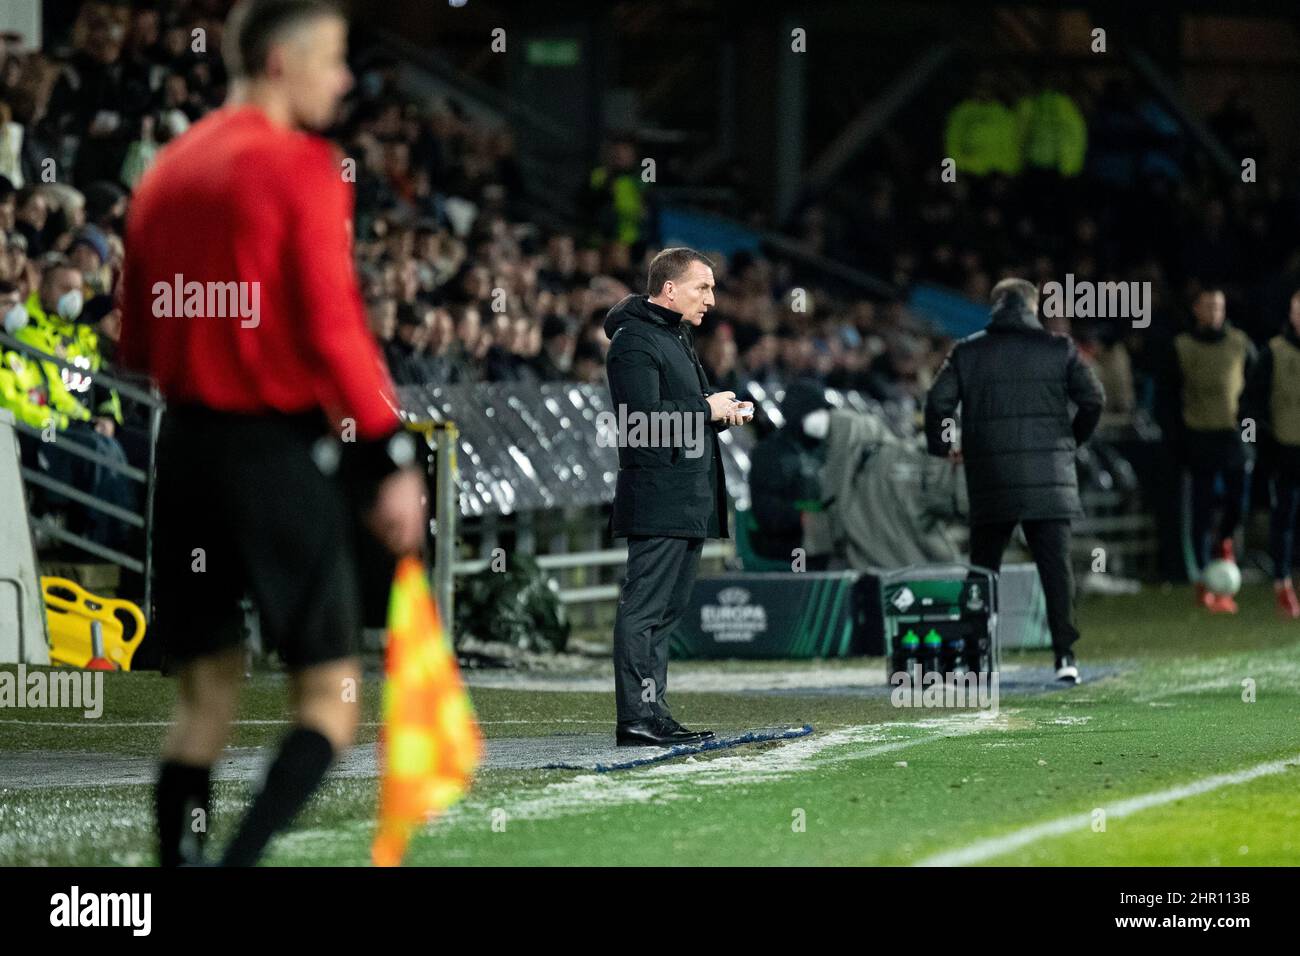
pixel 456 287
pixel 1052 178
pixel 461 286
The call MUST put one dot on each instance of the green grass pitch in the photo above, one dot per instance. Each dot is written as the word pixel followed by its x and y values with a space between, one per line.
pixel 1162 762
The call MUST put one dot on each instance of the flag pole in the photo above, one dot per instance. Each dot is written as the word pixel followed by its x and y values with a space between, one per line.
pixel 447 495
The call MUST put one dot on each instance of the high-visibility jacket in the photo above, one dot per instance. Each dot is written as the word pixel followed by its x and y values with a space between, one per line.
pixel 982 137
pixel 625 195
pixel 33 397
pixel 1053 133
pixel 80 342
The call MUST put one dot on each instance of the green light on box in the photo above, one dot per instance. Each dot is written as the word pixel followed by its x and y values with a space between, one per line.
pixel 553 52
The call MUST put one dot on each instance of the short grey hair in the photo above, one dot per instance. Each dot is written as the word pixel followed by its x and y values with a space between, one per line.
pixel 1022 289
pixel 670 265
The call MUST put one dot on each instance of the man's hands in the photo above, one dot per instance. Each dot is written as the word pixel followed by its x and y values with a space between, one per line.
pixel 720 405
pixel 399 519
pixel 744 412
pixel 724 408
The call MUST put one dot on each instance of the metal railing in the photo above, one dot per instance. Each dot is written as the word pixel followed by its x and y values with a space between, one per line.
pixel 148 397
pixel 1116 523
pixel 607 557
pixel 442 438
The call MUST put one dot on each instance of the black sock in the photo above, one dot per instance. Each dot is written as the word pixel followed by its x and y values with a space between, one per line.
pixel 298 769
pixel 182 789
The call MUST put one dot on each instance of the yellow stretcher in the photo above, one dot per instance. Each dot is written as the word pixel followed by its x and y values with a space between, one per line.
pixel 71 612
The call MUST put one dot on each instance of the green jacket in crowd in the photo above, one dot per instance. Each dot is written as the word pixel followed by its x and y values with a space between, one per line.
pixel 1052 131
pixel 617 204
pixel 982 137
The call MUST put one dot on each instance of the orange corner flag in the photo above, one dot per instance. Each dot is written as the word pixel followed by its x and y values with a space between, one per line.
pixel 430 744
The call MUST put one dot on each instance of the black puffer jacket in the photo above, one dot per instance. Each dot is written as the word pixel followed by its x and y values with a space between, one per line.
pixel 1015 383
pixel 652 367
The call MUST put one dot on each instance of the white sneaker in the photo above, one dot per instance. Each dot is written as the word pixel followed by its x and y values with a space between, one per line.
pixel 1067 671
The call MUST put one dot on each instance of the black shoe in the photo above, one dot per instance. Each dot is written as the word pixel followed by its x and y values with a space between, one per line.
pixel 647 732
pixel 654 731
pixel 1067 671
pixel 686 735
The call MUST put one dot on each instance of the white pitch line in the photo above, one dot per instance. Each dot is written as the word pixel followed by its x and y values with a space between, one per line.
pixel 671 779
pixel 997 846
pixel 556 720
pixel 1219 684
pixel 93 722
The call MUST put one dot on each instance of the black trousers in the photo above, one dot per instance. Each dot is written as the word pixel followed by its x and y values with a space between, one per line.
pixel 1049 543
pixel 660 576
pixel 1281 525
pixel 1236 500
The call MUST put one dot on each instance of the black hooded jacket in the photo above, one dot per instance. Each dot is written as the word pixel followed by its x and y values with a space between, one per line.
pixel 652 368
pixel 1015 382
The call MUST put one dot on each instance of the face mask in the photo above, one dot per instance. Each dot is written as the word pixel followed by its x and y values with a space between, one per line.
pixel 15 319
pixel 70 304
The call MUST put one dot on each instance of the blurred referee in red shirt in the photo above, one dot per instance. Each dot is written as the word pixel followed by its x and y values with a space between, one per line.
pixel 280 421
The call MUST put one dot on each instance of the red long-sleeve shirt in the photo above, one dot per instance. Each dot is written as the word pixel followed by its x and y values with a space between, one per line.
pixel 238 199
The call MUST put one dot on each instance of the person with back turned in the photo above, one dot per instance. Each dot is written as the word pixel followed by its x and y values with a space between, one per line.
pixel 670 494
pixel 1015 383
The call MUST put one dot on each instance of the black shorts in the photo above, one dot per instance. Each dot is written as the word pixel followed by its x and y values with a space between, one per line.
pixel 256 506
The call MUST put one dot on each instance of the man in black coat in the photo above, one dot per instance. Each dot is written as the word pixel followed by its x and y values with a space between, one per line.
pixel 670 494
pixel 1015 383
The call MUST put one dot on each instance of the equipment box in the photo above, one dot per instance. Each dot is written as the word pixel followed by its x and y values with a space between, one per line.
pixel 939 618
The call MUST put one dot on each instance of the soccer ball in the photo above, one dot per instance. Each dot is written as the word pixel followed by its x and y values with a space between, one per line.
pixel 1222 577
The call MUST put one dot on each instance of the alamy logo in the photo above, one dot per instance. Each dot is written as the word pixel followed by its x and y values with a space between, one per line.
pixel 132 910
pixel 937 689
pixel 209 300
pixel 81 690
pixel 638 429
pixel 1098 300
